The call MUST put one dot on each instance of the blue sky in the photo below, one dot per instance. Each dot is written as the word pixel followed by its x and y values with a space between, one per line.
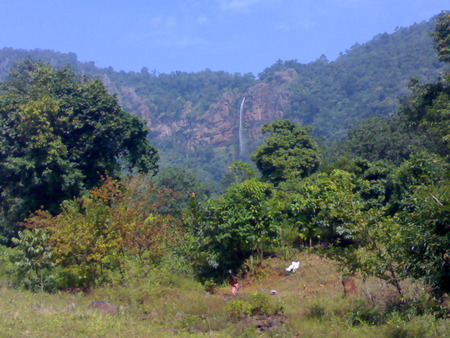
pixel 192 35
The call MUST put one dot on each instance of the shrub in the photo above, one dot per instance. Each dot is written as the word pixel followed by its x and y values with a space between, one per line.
pixel 32 267
pixel 364 313
pixel 238 308
pixel 261 304
pixel 258 303
pixel 95 237
pixel 315 311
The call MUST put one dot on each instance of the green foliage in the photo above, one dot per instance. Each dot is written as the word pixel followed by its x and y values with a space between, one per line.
pixel 379 251
pixel 263 304
pixel 382 210
pixel 426 234
pixel 60 133
pixel 288 153
pixel 421 169
pixel 388 139
pixel 441 36
pixel 176 186
pixel 316 311
pixel 372 179
pixel 329 96
pixel 238 308
pixel 363 313
pixel 366 80
pixel 241 222
pixel 238 172
pixel 421 125
pixel 97 236
pixel 33 261
pixel 427 111
pixel 256 303
pixel 414 240
pixel 322 205
pixel 407 234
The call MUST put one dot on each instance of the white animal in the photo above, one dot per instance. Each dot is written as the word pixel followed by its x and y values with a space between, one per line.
pixel 293 267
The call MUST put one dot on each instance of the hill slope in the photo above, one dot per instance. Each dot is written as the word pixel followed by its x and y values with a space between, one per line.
pixel 194 117
pixel 167 305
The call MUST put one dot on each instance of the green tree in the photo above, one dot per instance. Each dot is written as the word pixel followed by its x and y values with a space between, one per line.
pixel 323 205
pixel 426 231
pixel 377 249
pixel 240 223
pixel 388 139
pixel 33 260
pixel 59 134
pixel 288 153
pixel 178 185
pixel 372 180
pixel 441 36
pixel 427 110
pixel 96 235
pixel 414 243
pixel 238 172
pixel 408 237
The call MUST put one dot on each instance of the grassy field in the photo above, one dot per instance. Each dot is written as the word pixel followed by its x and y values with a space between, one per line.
pixel 309 303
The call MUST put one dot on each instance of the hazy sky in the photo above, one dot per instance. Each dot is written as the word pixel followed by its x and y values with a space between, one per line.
pixel 191 35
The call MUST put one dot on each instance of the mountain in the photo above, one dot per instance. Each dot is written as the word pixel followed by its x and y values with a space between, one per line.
pixel 195 117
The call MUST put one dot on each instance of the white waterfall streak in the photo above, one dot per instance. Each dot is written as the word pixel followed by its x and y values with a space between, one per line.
pixel 241 137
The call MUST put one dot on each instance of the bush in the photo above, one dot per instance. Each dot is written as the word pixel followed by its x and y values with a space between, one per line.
pixel 364 313
pixel 258 303
pixel 5 264
pixel 315 311
pixel 421 326
pixel 261 304
pixel 238 308
pixel 31 265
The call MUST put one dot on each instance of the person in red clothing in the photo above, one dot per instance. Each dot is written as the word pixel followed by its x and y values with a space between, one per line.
pixel 234 284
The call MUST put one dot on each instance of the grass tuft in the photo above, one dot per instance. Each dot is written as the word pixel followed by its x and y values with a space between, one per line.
pixel 308 302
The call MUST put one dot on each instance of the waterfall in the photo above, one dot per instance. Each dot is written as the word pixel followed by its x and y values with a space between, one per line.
pixel 241 141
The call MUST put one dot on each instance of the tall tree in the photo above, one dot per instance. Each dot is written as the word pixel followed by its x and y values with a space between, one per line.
pixel 241 223
pixel 441 36
pixel 60 133
pixel 288 153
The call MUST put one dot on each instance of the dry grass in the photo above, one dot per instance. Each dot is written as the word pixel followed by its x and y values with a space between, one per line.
pixel 312 300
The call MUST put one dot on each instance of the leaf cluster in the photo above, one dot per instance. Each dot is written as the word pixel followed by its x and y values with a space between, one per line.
pixel 59 134
pixel 94 236
pixel 288 153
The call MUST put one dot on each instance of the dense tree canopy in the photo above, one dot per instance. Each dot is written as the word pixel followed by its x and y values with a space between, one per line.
pixel 60 133
pixel 408 235
pixel 330 96
pixel 177 186
pixel 382 210
pixel 442 36
pixel 288 152
pixel 240 223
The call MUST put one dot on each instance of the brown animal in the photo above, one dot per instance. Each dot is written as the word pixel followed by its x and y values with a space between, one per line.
pixel 104 306
pixel 349 286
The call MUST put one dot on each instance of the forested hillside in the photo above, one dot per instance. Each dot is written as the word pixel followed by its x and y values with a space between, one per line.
pixel 86 210
pixel 194 117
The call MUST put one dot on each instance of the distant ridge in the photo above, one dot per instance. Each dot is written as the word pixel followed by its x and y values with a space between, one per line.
pixel 194 117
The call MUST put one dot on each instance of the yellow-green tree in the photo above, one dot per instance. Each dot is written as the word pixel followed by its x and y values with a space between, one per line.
pixel 95 235
pixel 59 133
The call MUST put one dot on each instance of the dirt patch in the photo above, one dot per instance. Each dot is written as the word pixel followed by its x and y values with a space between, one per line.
pixel 266 323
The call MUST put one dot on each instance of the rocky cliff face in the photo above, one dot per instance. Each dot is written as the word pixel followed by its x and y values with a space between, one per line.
pixel 219 125
pixel 267 101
